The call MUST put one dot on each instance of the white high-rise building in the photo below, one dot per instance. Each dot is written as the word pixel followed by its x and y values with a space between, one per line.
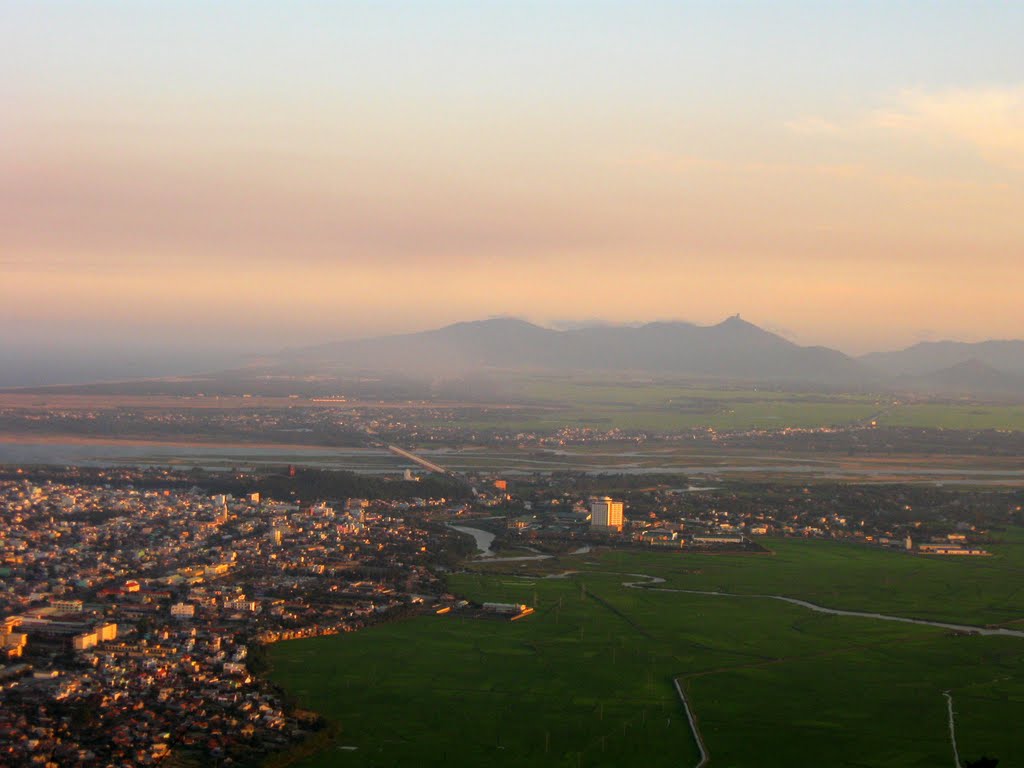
pixel 605 514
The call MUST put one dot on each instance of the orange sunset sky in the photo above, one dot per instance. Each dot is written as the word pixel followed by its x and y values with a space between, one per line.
pixel 252 176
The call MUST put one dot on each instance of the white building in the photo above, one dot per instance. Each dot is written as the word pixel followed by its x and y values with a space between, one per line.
pixel 241 604
pixel 606 514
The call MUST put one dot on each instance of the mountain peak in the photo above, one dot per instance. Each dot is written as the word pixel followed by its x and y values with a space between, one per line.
pixel 736 326
pixel 735 322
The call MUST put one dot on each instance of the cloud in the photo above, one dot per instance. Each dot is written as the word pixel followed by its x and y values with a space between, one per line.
pixel 988 121
pixel 814 126
pixel 991 121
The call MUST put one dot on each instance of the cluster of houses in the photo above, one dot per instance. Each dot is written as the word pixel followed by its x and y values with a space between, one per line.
pixel 126 615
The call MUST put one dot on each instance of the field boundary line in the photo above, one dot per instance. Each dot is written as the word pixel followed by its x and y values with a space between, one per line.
pixel 952 729
pixel 705 756
pixel 630 622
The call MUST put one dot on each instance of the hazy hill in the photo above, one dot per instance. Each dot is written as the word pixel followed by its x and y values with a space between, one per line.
pixel 931 356
pixel 476 353
pixel 971 377
pixel 731 349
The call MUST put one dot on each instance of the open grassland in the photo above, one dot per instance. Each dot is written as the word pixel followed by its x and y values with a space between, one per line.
pixel 670 417
pixel 588 402
pixel 588 679
pixel 955 416
pixel 663 406
pixel 972 590
pixel 617 392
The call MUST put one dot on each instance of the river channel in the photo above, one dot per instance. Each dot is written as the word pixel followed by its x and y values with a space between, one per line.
pixel 969 628
pixel 483 539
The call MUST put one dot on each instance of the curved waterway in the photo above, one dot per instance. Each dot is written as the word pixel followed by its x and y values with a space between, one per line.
pixel 483 539
pixel 1000 631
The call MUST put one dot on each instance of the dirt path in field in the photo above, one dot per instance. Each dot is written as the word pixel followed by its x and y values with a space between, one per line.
pixel 952 729
pixel 649 581
pixel 705 756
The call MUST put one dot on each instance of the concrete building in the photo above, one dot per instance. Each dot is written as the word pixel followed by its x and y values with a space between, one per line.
pixel 706 541
pixel 606 514
pixel 12 643
pixel 84 641
pixel 66 607
pixel 514 611
pixel 951 549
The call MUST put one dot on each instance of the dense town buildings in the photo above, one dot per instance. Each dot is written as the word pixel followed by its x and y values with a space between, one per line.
pixel 128 615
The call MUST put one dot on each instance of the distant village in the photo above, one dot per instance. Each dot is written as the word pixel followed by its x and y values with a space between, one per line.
pixel 701 518
pixel 334 421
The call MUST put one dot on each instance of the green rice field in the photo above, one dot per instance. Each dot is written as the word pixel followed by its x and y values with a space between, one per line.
pixel 551 403
pixel 665 407
pixel 588 680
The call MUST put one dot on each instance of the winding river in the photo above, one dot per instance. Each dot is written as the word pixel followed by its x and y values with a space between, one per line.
pixel 484 539
pixel 970 628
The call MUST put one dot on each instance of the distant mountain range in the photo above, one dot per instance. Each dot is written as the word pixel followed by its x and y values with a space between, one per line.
pixel 481 351
pixel 969 377
pixel 733 349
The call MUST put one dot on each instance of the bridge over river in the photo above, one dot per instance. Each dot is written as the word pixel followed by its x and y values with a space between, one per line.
pixel 425 463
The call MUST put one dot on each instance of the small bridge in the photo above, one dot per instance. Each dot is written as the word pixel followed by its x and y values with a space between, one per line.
pixel 428 465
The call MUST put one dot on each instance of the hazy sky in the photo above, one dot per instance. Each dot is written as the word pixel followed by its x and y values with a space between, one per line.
pixel 255 175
